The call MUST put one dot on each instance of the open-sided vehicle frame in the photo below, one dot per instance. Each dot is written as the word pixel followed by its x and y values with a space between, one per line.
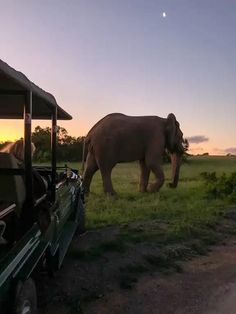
pixel 33 231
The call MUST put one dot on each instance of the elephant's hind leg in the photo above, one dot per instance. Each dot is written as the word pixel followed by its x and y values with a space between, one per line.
pixel 106 179
pixel 144 176
pixel 160 178
pixel 90 168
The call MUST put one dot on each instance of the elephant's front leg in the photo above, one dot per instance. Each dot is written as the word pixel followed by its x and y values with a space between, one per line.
pixel 160 178
pixel 144 176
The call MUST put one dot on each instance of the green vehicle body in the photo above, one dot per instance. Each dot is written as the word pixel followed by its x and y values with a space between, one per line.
pixel 22 259
pixel 64 199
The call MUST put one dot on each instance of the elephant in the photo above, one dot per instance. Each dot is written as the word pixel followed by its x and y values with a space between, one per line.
pixel 120 138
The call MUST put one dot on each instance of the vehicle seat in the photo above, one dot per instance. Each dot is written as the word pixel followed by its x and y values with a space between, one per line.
pixel 12 187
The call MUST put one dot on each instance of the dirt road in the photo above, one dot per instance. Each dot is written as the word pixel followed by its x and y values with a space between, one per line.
pixel 207 285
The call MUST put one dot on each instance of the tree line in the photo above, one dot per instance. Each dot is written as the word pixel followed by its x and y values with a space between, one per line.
pixel 69 148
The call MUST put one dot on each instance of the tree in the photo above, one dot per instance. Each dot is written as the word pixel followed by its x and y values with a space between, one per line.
pixel 42 141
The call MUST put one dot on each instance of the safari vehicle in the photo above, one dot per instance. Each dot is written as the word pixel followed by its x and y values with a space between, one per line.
pixel 33 232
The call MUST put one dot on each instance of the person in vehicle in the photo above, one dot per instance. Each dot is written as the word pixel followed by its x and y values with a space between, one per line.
pixel 17 150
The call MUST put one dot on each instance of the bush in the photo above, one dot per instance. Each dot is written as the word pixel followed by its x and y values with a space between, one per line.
pixel 223 186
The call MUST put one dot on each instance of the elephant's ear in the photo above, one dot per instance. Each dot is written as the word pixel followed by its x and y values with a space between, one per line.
pixel 171 132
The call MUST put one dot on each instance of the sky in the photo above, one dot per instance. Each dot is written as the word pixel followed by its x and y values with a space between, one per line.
pixel 103 56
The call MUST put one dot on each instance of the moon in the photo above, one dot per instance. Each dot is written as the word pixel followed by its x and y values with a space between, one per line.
pixel 164 14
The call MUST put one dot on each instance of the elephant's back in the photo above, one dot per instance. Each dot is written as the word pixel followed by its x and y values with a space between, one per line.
pixel 105 122
pixel 118 131
pixel 118 123
pixel 124 138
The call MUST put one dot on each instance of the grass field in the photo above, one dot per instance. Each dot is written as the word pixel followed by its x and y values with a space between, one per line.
pixel 185 211
pixel 155 231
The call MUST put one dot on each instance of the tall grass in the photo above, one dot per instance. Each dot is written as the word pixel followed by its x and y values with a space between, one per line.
pixel 185 209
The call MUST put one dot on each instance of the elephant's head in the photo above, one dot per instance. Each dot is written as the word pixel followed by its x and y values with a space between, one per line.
pixel 174 144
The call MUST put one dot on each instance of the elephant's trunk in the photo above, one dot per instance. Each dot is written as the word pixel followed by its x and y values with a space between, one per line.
pixel 176 162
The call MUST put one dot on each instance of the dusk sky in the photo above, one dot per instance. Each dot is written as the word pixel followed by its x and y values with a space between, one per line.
pixel 103 56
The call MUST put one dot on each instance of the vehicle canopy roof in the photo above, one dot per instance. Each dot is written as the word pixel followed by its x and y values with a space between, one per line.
pixel 13 86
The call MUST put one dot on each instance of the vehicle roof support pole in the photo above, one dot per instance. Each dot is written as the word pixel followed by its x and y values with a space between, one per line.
pixel 54 153
pixel 28 152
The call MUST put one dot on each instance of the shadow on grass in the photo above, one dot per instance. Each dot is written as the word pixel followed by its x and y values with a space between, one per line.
pixel 96 252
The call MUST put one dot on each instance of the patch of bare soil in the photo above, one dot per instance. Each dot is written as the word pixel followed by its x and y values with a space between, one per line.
pixel 119 281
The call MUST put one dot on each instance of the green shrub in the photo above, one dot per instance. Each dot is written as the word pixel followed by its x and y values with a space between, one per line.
pixel 223 186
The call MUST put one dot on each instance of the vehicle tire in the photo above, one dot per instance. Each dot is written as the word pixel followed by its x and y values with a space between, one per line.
pixel 25 298
pixel 81 217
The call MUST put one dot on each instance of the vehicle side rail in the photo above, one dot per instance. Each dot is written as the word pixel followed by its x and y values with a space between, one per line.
pixel 7 210
pixel 39 200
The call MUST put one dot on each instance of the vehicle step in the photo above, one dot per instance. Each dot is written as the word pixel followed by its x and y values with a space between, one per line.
pixel 25 270
pixel 65 239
